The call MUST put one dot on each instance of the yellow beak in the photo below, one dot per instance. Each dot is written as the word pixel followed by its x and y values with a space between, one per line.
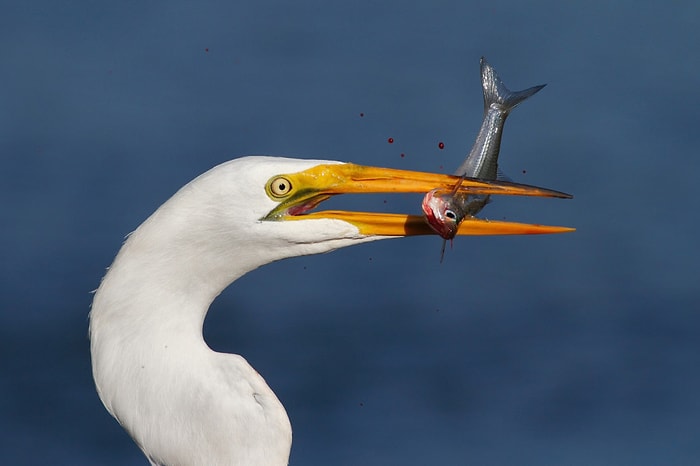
pixel 299 192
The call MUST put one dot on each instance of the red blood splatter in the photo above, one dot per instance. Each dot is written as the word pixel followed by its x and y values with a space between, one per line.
pixel 403 155
pixel 361 114
pixel 390 140
pixel 441 145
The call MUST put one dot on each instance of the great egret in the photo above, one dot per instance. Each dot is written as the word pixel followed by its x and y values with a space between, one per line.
pixel 181 402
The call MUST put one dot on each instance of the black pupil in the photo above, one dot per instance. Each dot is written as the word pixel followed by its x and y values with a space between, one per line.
pixel 282 187
pixel 450 214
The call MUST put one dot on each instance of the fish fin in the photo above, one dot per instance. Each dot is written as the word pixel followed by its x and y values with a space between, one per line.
pixel 458 184
pixel 497 92
pixel 500 176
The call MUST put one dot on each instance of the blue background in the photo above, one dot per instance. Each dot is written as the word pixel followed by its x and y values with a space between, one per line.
pixel 574 349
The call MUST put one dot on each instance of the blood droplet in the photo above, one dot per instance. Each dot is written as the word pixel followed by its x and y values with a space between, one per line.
pixel 403 155
pixel 441 145
pixel 390 140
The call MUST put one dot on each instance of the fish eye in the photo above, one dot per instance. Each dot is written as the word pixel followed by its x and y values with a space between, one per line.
pixel 450 214
pixel 280 186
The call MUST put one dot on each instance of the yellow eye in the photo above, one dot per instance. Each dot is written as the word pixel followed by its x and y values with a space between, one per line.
pixel 280 186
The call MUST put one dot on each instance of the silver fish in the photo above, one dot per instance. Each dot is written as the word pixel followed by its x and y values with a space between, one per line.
pixel 445 209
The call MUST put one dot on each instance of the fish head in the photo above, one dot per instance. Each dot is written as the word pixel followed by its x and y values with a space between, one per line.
pixel 443 211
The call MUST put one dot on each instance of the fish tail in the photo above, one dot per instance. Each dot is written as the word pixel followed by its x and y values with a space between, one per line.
pixel 495 92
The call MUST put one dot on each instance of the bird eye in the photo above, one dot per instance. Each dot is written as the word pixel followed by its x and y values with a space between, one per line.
pixel 280 186
pixel 450 214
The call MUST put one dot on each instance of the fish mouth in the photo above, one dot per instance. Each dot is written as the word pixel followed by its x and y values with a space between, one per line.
pixel 298 194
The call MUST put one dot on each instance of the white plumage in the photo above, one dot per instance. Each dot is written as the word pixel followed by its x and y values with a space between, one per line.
pixel 182 402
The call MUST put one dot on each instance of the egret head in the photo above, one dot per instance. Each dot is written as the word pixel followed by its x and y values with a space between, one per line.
pixel 256 210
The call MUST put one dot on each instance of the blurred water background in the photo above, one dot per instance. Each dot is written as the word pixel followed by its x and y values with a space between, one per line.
pixel 575 349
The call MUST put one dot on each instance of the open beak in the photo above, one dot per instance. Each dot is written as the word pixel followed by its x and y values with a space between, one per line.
pixel 297 193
